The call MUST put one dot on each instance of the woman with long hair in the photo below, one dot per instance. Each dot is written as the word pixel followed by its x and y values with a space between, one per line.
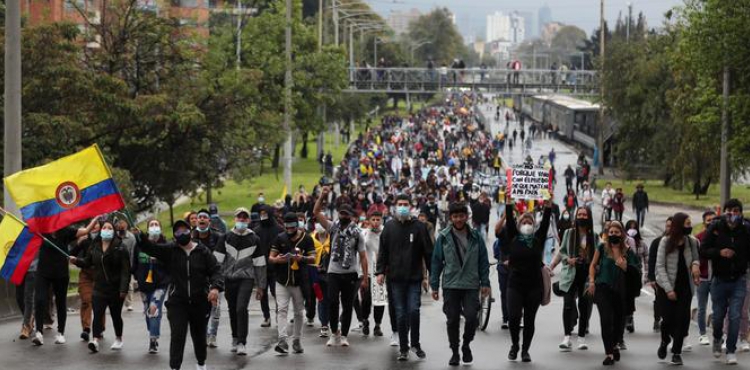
pixel 524 248
pixel 153 280
pixel 575 254
pixel 677 265
pixel 608 285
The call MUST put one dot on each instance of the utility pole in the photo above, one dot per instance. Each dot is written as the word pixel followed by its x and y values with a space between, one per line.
pixel 239 33
pixel 725 164
pixel 336 23
pixel 12 126
pixel 630 20
pixel 288 100
pixel 600 137
pixel 320 25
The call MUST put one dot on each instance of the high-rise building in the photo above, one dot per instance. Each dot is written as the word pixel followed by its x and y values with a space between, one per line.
pixel 544 17
pixel 498 27
pixel 506 27
pixel 399 20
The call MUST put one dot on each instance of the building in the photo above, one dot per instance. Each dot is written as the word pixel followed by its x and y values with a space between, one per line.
pixel 506 27
pixel 544 17
pixel 549 31
pixel 498 27
pixel 191 13
pixel 399 20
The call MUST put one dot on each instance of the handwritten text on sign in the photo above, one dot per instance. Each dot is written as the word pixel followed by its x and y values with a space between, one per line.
pixel 529 182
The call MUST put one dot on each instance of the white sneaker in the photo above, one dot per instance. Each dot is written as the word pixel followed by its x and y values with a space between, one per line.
pixel 117 345
pixel 731 359
pixel 201 367
pixel 704 341
pixel 333 340
pixel 394 340
pixel 687 347
pixel 233 348
pixel 38 339
pixel 310 323
pixel 130 308
pixel 59 339
pixel 241 350
pixel 211 342
pixel 582 344
pixel 744 346
pixel 344 342
pixel 565 345
pixel 94 345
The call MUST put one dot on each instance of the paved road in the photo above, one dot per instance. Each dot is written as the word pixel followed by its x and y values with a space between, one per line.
pixel 369 353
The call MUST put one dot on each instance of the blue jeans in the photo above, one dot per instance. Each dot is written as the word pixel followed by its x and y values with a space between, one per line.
pixel 152 309
pixel 703 291
pixel 727 298
pixel 548 245
pixel 640 215
pixel 407 299
pixel 215 316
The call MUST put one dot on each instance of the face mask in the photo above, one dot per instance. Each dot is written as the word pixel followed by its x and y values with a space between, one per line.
pixel 632 233
pixel 261 200
pixel 345 221
pixel 402 211
pixel 108 234
pixel 614 239
pixel 687 231
pixel 582 221
pixel 240 226
pixel 122 232
pixel 263 217
pixel 301 224
pixel 202 229
pixel 566 217
pixel 734 219
pixel 94 234
pixel 526 229
pixel 319 228
pixel 154 231
pixel 183 239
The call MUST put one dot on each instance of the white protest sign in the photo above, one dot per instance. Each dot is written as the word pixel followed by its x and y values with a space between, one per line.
pixel 529 182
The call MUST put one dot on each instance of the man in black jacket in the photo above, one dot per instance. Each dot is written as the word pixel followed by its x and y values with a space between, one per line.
pixel 480 214
pixel 640 204
pixel 404 254
pixel 196 283
pixel 267 230
pixel 652 252
pixel 727 245
pixel 209 237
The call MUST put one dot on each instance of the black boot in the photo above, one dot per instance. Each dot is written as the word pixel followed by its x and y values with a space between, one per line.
pixel 468 356
pixel 455 359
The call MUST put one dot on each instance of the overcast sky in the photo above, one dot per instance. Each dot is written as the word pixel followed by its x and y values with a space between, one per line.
pixel 471 14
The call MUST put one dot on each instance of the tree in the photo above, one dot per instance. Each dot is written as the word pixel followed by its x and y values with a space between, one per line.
pixel 437 28
pixel 569 39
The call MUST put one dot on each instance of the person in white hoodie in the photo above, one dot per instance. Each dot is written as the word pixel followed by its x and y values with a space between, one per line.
pixel 363 302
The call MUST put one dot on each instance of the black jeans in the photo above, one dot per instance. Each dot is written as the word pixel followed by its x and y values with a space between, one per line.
pixel 676 322
pixel 238 293
pixel 391 307
pixel 59 288
pixel 455 303
pixel 181 315
pixel 571 314
pixel 264 306
pixel 100 305
pixel 611 306
pixel 523 304
pixel 502 279
pixel 341 290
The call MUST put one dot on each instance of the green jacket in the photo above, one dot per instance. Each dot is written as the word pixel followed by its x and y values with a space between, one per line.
pixel 472 274
pixel 570 242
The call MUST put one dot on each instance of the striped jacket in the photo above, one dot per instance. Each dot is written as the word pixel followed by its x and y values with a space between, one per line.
pixel 241 258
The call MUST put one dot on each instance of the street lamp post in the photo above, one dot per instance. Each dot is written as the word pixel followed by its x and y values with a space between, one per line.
pixel 417 46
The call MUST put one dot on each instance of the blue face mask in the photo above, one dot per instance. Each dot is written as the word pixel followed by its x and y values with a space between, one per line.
pixel 202 229
pixel 402 211
pixel 108 234
pixel 240 226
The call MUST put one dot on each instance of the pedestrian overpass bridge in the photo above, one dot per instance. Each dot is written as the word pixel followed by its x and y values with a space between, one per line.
pixel 501 81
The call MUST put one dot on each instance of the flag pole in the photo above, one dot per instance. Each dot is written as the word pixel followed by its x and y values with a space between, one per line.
pixel 53 245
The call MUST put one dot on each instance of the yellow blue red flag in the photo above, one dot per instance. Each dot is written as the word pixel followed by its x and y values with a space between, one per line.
pixel 18 248
pixel 65 191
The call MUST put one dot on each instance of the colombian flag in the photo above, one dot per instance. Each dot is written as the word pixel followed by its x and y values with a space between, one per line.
pixel 18 248
pixel 65 191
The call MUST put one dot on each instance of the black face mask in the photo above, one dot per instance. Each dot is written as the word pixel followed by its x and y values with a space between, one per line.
pixel 687 231
pixel 121 233
pixel 614 239
pixel 345 221
pixel 183 239
pixel 582 222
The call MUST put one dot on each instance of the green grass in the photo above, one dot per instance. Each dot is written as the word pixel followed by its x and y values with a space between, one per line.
pixel 664 194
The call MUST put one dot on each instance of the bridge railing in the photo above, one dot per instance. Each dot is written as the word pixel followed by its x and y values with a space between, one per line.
pixel 424 79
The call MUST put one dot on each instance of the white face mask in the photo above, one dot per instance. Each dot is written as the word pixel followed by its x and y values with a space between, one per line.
pixel 526 229
pixel 319 228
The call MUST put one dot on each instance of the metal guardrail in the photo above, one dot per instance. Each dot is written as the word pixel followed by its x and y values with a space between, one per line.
pixel 525 82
